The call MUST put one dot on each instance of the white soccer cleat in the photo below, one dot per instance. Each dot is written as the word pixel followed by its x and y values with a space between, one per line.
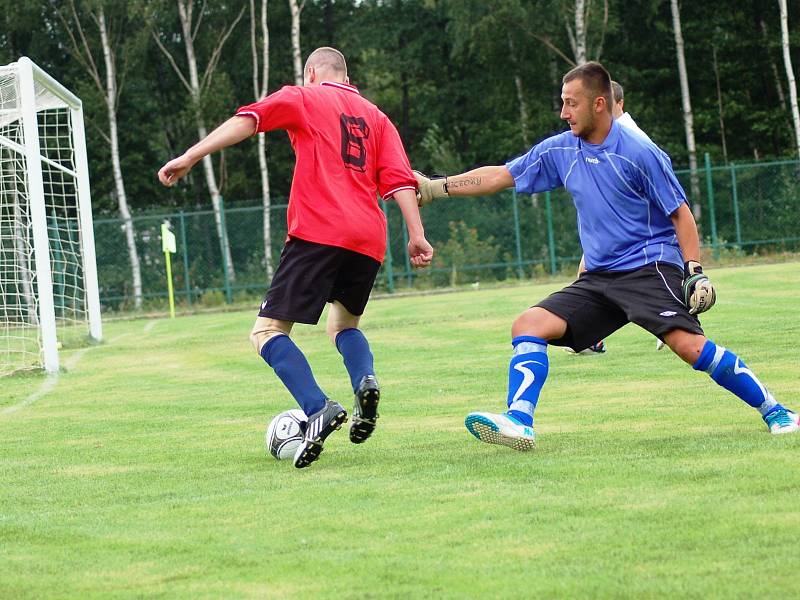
pixel 501 429
pixel 659 344
pixel 782 420
pixel 593 350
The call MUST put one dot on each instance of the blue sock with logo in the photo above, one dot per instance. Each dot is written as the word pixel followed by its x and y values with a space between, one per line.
pixel 292 368
pixel 526 376
pixel 729 371
pixel 354 348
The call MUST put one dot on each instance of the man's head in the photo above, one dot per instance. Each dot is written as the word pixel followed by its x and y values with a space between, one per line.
pixel 325 64
pixel 586 94
pixel 619 100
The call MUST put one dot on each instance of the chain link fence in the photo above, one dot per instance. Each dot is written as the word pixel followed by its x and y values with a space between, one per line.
pixel 748 209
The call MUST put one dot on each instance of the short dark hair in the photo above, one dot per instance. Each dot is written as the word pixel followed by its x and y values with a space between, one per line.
pixel 617 92
pixel 595 78
pixel 327 57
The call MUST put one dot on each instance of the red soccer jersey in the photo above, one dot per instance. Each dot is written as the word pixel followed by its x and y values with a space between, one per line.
pixel 346 152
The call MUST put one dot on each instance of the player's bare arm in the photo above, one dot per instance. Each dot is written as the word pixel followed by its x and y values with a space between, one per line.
pixel 686 230
pixel 419 250
pixel 231 132
pixel 698 292
pixel 478 182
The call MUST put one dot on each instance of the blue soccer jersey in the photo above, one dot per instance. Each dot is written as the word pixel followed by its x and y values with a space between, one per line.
pixel 624 190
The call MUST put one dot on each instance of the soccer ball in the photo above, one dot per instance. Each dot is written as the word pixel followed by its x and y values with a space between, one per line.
pixel 285 433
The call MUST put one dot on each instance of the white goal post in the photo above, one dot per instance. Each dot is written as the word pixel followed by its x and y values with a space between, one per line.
pixel 49 295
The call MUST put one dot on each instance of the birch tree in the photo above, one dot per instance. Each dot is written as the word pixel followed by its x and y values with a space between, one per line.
pixel 688 119
pixel 578 31
pixel 260 85
pixel 775 76
pixel 787 62
pixel 297 61
pixel 108 86
pixel 577 36
pixel 523 104
pixel 196 86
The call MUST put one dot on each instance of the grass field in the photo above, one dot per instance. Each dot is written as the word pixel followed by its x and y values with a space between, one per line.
pixel 142 472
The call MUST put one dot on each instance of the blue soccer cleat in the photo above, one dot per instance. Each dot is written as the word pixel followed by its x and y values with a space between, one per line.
pixel 781 420
pixel 501 429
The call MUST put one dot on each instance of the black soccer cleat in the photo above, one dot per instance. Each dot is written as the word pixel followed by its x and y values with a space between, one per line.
pixel 320 425
pixel 365 409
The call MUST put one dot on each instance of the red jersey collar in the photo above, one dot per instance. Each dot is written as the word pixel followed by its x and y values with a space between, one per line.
pixel 344 86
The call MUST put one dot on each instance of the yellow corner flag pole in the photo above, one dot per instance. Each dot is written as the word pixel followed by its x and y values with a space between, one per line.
pixel 168 246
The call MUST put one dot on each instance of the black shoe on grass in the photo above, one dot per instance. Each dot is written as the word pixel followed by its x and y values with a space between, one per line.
pixel 365 409
pixel 320 425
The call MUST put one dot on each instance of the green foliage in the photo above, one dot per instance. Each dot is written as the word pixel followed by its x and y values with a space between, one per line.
pixel 463 257
pixel 443 71
pixel 446 73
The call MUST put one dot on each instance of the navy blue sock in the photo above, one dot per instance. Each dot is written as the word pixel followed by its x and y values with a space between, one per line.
pixel 527 373
pixel 292 368
pixel 354 348
pixel 729 371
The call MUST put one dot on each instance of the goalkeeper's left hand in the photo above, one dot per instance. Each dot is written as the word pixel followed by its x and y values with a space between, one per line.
pixel 698 293
pixel 430 188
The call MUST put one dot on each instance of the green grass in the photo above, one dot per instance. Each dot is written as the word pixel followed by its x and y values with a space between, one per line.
pixel 142 472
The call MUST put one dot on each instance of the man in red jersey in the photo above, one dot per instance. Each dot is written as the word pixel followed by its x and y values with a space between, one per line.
pixel 347 151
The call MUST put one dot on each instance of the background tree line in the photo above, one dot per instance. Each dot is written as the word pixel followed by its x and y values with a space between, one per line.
pixel 467 82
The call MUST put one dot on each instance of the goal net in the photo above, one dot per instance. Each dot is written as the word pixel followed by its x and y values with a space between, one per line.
pixel 48 276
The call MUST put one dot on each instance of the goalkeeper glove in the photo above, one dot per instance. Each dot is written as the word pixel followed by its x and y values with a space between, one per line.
pixel 698 293
pixel 430 188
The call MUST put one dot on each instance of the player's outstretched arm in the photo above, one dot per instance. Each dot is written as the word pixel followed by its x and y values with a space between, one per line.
pixel 698 292
pixel 478 182
pixel 419 250
pixel 231 132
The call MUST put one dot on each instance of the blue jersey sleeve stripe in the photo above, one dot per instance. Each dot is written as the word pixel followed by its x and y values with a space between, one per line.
pixel 654 190
pixel 669 174
pixel 542 155
pixel 569 172
pixel 632 191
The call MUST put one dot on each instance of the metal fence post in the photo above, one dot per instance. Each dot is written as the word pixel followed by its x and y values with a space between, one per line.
pixel 551 244
pixel 407 259
pixel 388 261
pixel 516 233
pixel 735 194
pixel 223 243
pixel 185 252
pixel 711 214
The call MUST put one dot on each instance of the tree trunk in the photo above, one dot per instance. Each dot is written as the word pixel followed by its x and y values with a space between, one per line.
pixel 208 167
pixel 775 75
pixel 688 119
pixel 523 105
pixel 23 260
pixel 296 54
pixel 787 61
pixel 260 86
pixel 119 183
pixel 580 31
pixel 719 105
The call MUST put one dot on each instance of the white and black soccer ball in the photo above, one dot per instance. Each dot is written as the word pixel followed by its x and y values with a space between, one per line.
pixel 285 433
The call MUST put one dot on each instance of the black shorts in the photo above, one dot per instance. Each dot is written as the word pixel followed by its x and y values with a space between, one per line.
pixel 599 303
pixel 309 275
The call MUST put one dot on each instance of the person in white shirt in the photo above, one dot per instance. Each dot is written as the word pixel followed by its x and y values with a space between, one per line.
pixel 618 110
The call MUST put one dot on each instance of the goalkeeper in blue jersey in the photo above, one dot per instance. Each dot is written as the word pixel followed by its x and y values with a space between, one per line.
pixel 641 251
